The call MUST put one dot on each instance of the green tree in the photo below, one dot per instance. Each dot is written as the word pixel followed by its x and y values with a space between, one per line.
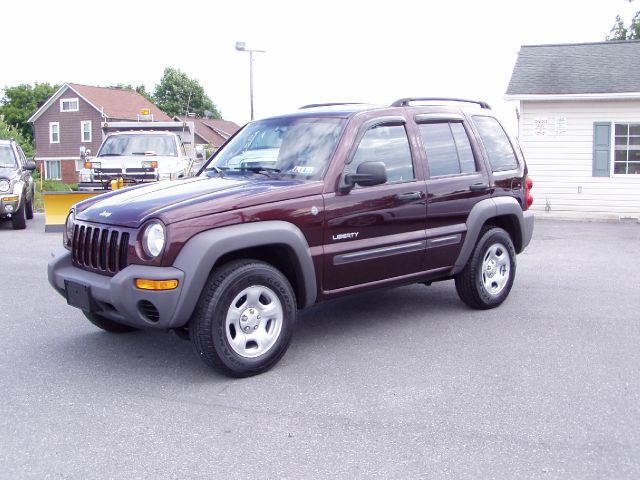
pixel 8 131
pixel 176 91
pixel 620 31
pixel 22 101
pixel 141 89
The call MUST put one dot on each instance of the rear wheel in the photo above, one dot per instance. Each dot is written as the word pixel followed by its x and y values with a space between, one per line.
pixel 488 277
pixel 244 320
pixel 106 324
pixel 18 219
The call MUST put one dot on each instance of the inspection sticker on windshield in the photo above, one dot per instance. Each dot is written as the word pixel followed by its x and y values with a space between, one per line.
pixel 300 170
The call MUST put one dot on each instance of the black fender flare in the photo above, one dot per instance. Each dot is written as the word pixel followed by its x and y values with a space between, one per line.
pixel 199 255
pixel 480 214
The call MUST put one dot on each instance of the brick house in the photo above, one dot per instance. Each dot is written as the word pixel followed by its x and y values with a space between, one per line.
pixel 211 133
pixel 73 118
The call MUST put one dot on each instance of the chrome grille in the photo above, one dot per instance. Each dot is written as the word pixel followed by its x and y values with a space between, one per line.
pixel 103 250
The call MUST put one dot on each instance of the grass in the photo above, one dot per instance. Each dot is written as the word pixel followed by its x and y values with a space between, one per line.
pixel 49 186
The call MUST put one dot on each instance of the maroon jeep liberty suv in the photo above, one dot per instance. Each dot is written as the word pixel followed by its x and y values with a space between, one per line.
pixel 326 201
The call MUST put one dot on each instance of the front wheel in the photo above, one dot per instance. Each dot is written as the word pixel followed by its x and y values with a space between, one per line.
pixel 29 206
pixel 19 219
pixel 244 319
pixel 488 277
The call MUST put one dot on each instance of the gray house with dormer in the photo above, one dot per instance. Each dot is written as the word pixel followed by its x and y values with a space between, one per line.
pixel 579 126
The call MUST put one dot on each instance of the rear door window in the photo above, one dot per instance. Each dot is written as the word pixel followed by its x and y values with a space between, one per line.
pixel 496 144
pixel 448 148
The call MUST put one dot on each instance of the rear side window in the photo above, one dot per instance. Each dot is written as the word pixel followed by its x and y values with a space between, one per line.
pixel 448 148
pixel 496 144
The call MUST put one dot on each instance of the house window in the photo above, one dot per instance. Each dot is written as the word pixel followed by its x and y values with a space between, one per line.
pixel 52 170
pixel 54 132
pixel 69 105
pixel 627 149
pixel 85 130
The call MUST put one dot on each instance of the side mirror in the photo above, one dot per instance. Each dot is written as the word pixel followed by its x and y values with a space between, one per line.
pixel 31 165
pixel 200 152
pixel 368 174
pixel 84 153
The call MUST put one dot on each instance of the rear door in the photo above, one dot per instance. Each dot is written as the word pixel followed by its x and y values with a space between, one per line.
pixel 457 180
pixel 378 232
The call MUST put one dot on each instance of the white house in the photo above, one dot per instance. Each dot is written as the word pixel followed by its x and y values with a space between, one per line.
pixel 579 127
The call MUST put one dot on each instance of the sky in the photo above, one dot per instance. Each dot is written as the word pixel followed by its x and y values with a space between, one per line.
pixel 315 51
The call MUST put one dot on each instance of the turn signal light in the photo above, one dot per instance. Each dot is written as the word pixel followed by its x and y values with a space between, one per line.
pixel 12 198
pixel 146 284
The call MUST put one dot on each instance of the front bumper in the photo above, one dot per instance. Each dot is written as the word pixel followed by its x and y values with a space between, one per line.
pixel 116 298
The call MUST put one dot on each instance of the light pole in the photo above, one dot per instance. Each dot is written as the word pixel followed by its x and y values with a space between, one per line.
pixel 242 47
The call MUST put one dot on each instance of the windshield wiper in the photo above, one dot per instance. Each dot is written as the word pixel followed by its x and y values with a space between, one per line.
pixel 268 171
pixel 110 155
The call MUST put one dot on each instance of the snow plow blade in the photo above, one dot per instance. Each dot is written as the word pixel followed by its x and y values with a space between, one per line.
pixel 57 205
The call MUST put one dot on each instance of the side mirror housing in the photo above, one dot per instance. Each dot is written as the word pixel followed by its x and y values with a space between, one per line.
pixel 368 174
pixel 84 153
pixel 199 152
pixel 31 165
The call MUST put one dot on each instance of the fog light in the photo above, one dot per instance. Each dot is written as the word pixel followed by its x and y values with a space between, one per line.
pixel 8 208
pixel 146 284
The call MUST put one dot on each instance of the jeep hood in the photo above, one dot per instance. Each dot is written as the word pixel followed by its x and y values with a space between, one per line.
pixel 7 173
pixel 178 200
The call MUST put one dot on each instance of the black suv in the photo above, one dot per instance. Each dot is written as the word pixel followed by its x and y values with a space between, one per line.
pixel 292 210
pixel 17 189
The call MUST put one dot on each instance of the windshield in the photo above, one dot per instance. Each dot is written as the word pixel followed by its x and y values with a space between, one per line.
pixel 115 145
pixel 7 160
pixel 294 147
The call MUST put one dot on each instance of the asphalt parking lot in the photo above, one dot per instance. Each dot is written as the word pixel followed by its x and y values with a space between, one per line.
pixel 403 383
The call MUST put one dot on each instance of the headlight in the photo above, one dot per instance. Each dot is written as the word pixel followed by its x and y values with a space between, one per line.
pixel 4 185
pixel 68 229
pixel 150 164
pixel 153 239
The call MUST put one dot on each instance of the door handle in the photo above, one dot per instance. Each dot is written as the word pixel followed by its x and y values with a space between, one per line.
pixel 409 196
pixel 479 187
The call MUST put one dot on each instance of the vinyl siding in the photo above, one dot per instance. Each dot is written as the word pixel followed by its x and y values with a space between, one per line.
pixel 561 162
pixel 70 132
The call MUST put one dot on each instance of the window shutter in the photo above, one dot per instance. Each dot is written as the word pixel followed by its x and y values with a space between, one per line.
pixel 601 149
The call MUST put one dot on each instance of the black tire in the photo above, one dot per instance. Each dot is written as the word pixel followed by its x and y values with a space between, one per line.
pixel 29 207
pixel 18 219
pixel 106 324
pixel 265 306
pixel 488 276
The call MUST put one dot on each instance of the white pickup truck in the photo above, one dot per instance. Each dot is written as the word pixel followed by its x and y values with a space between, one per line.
pixel 140 152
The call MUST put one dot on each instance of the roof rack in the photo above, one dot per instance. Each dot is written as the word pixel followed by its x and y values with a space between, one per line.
pixel 314 105
pixel 404 102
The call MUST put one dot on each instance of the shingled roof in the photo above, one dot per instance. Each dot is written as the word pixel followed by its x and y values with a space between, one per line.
pixel 577 69
pixel 113 103
pixel 212 131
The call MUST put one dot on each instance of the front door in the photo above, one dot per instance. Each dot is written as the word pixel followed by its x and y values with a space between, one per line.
pixel 377 232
